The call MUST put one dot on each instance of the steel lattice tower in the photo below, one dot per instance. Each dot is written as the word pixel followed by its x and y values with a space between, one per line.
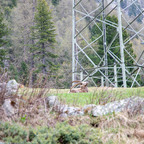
pixel 102 73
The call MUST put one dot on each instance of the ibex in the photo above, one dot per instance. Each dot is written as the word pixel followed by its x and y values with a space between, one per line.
pixel 83 87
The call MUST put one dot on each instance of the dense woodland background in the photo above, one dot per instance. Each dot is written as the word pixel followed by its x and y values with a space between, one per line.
pixel 19 18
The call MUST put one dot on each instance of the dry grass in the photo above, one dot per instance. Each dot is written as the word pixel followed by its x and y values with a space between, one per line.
pixel 121 128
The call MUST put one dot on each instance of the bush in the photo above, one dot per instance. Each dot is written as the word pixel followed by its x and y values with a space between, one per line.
pixel 61 134
pixel 13 133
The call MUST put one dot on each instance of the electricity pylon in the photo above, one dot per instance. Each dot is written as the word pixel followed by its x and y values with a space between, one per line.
pixel 102 73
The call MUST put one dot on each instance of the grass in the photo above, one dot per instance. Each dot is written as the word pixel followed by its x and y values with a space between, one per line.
pixel 94 96
pixel 97 95
pixel 114 128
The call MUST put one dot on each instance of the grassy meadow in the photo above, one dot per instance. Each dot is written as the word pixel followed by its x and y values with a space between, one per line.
pixel 37 124
pixel 96 95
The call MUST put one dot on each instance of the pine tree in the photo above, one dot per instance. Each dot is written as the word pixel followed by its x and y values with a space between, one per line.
pixel 43 33
pixel 3 33
pixel 134 11
pixel 55 2
pixel 111 32
pixel 24 72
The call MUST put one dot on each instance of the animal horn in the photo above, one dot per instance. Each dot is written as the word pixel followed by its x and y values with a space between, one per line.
pixel 76 81
pixel 75 85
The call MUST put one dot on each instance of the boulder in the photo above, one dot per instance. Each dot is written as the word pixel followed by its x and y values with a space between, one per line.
pixel 63 115
pixel 119 106
pixel 12 87
pixel 61 108
pixel 52 101
pixel 74 111
pixel 9 110
pixel 88 108
pixel 70 111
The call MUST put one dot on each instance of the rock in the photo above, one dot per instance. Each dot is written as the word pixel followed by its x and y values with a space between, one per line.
pixel 74 111
pixel 81 113
pixel 61 108
pixel 98 110
pixel 88 108
pixel 52 101
pixel 8 108
pixel 12 87
pixel 63 115
pixel 118 106
pixel 12 84
pixel 71 110
pixel 135 102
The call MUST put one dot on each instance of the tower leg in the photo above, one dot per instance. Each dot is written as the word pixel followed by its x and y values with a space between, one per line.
pixel 121 43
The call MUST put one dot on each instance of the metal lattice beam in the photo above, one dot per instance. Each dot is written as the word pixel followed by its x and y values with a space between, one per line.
pixel 103 70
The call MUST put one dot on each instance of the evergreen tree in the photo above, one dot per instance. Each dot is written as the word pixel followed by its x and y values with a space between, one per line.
pixel 43 33
pixel 111 32
pixel 3 33
pixel 134 11
pixel 13 72
pixel 24 72
pixel 123 3
pixel 55 2
pixel 14 2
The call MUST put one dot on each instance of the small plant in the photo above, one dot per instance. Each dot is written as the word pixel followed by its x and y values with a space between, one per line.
pixel 23 119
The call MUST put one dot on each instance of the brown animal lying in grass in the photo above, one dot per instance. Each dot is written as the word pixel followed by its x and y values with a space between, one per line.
pixel 83 87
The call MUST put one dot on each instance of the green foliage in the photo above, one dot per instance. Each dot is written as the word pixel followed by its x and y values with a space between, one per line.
pixel 32 135
pixel 111 32
pixel 3 30
pixel 2 57
pixel 13 133
pixel 55 2
pixel 20 73
pixel 23 119
pixel 14 2
pixel 8 3
pixel 63 133
pixel 123 3
pixel 13 72
pixel 7 6
pixel 98 96
pixel 3 33
pixel 44 34
pixel 24 72
pixel 134 11
pixel 7 11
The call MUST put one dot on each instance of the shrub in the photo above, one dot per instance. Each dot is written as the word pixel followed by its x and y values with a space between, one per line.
pixel 13 133
pixel 61 134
